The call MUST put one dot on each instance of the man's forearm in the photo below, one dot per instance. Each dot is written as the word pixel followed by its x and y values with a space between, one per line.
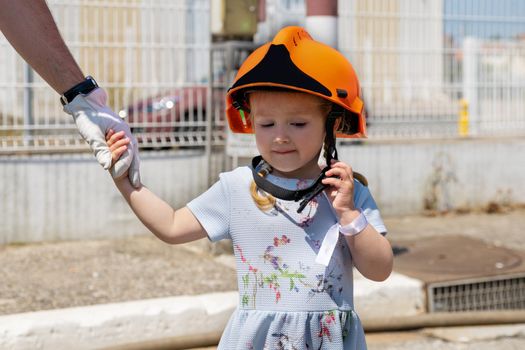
pixel 30 28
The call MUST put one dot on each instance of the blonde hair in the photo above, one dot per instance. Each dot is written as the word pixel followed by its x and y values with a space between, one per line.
pixel 264 201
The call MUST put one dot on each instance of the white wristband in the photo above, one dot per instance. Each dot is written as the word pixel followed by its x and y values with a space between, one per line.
pixel 332 236
pixel 356 226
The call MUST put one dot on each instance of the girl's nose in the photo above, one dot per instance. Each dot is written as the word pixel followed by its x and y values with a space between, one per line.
pixel 280 135
pixel 281 140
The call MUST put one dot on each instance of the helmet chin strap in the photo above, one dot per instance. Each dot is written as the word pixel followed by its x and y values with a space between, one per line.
pixel 260 168
pixel 331 152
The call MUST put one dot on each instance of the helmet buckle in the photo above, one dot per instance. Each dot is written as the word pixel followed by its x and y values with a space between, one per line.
pixel 238 106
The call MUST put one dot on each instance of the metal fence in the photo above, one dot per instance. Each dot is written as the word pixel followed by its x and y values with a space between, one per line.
pixel 438 68
pixel 429 69
pixel 151 56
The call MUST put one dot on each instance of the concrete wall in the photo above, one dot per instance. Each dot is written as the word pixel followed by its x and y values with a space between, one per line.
pixel 406 177
pixel 71 197
pixel 46 198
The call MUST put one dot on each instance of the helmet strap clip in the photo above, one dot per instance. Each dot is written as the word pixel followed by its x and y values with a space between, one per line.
pixel 238 106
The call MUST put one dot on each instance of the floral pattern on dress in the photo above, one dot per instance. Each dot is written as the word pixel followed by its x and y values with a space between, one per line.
pixel 306 217
pixel 284 342
pixel 271 280
pixel 326 283
pixel 303 219
pixel 327 327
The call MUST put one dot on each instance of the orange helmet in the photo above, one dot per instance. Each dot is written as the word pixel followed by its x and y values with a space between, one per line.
pixel 295 61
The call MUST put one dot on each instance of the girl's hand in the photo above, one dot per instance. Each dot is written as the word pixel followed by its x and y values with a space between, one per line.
pixel 341 191
pixel 117 143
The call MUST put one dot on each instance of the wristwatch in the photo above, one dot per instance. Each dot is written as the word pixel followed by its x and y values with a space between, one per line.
pixel 89 84
pixel 356 226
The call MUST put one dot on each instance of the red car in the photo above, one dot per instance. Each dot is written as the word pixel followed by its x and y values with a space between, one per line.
pixel 182 109
pixel 177 117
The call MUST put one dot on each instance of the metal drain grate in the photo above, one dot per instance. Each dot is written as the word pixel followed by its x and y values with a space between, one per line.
pixel 481 294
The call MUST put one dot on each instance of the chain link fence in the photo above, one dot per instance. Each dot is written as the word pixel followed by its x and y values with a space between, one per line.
pixel 429 69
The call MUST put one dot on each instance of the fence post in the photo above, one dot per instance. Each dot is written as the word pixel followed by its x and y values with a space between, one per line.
pixel 471 81
pixel 28 102
pixel 463 117
pixel 210 115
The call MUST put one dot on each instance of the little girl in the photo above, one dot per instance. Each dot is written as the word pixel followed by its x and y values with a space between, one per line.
pixel 297 229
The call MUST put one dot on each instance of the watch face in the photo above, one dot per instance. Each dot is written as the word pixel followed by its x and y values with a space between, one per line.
pixel 92 81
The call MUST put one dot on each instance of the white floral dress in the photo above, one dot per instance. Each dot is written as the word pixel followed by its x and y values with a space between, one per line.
pixel 286 300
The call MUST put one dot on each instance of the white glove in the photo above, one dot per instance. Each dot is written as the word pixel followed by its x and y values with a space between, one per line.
pixel 94 119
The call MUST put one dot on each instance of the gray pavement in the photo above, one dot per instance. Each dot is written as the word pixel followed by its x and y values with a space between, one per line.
pixel 503 228
pixel 64 274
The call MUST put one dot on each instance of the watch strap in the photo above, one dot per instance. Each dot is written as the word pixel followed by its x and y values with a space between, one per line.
pixel 85 87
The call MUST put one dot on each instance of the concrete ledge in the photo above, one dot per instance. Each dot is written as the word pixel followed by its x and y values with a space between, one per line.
pixel 108 325
pixel 185 317
pixel 398 296
pixel 479 333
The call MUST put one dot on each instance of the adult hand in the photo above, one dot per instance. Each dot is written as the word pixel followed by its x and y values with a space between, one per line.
pixel 94 119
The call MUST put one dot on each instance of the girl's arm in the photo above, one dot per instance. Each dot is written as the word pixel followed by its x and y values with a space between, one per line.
pixel 371 252
pixel 171 226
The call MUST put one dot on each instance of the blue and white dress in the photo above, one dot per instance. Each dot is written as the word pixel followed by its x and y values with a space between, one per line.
pixel 286 299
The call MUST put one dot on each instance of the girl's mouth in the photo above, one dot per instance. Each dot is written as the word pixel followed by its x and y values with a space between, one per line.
pixel 284 152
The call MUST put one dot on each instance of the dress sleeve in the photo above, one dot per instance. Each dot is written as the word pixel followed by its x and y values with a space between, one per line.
pixel 212 209
pixel 363 199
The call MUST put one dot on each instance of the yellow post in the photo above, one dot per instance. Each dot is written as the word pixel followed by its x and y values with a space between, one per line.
pixel 463 117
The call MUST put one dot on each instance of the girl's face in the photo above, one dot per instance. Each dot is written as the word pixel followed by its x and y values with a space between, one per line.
pixel 289 131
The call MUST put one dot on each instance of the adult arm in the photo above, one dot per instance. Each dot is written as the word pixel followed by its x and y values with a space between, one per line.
pixel 29 26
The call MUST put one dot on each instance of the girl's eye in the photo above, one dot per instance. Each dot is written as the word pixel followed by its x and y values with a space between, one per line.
pixel 300 125
pixel 266 125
